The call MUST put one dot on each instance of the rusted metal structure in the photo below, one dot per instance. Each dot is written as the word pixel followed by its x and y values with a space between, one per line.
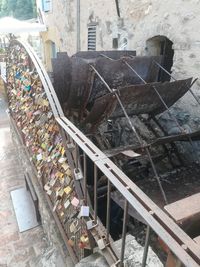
pixel 96 97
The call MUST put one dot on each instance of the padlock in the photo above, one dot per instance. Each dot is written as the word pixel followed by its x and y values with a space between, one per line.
pixel 78 174
pixel 73 226
pixel 67 204
pixel 90 224
pixel 85 211
pixel 101 244
pixel 82 245
pixel 70 146
pixel 84 239
pixel 75 202
pixel 67 190
pixel 71 241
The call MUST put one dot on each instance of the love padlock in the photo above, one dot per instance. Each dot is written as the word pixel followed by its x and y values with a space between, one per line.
pixel 84 239
pixel 73 226
pixel 82 245
pixel 101 244
pixel 71 241
pixel 90 224
pixel 78 174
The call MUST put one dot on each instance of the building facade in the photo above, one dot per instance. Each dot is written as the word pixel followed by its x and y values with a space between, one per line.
pixel 149 27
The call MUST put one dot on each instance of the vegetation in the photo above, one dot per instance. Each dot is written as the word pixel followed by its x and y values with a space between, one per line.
pixel 19 9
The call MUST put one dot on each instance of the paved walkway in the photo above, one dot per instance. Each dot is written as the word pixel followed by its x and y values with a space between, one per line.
pixel 16 249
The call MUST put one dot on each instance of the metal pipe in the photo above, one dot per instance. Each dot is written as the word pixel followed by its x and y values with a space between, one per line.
pixel 95 194
pixel 146 246
pixel 124 232
pixel 78 36
pixel 108 212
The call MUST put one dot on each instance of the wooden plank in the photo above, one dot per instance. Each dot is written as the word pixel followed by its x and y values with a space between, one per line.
pixel 184 209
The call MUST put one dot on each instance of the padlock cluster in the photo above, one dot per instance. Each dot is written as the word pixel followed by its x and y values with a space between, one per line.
pixel 31 111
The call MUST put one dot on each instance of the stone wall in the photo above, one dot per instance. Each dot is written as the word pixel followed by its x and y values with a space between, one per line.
pixel 140 20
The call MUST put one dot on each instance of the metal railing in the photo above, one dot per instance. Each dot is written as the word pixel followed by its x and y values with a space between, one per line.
pixel 186 250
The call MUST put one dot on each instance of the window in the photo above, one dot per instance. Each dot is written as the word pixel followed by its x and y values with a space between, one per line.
pixel 115 43
pixel 92 36
pixel 53 50
pixel 46 5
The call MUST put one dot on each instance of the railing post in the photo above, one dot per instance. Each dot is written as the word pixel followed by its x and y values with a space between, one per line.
pixel 108 212
pixel 124 233
pixel 95 194
pixel 85 177
pixel 146 246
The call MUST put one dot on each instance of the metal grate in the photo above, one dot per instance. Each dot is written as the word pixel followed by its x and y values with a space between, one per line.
pixel 92 37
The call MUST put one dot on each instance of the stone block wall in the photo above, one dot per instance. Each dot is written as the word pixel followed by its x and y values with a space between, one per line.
pixel 139 21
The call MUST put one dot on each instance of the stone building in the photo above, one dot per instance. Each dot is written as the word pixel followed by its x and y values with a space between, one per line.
pixel 150 27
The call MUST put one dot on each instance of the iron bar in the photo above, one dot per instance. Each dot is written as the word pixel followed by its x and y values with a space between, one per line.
pixel 95 194
pixel 195 97
pixel 85 177
pixel 158 94
pixel 146 246
pixel 108 211
pixel 124 233
pixel 76 156
pixel 135 132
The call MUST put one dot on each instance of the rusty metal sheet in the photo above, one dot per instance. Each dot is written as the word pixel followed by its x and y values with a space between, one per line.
pixel 81 85
pixel 117 74
pixel 62 76
pixel 142 99
pixel 114 54
pixel 101 110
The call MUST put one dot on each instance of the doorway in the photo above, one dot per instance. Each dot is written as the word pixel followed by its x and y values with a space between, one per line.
pixel 161 45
